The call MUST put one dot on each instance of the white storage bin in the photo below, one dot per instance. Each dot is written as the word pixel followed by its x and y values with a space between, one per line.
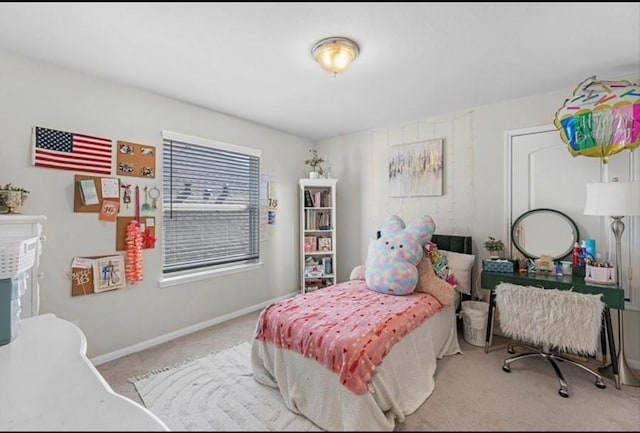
pixel 17 255
pixel 474 319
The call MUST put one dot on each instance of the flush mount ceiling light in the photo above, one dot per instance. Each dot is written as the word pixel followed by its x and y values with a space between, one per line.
pixel 335 54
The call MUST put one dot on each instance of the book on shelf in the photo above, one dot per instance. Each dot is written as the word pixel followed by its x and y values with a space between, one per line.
pixel 325 199
pixel 308 201
pixel 311 285
pixel 310 244
pixel 324 244
pixel 324 221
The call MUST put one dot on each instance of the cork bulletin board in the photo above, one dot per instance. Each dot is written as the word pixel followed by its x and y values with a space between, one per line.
pixel 83 277
pixel 146 222
pixel 137 160
pixel 82 282
pixel 78 204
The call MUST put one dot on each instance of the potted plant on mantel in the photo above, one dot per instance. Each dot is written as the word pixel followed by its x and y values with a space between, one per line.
pixel 314 162
pixel 12 198
pixel 495 247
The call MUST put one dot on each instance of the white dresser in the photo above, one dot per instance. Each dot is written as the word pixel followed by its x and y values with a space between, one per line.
pixel 47 383
pixel 27 225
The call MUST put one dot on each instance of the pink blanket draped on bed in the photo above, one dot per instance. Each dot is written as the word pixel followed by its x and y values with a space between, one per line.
pixel 346 327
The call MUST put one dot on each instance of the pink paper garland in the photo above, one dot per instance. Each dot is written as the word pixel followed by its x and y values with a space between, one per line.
pixel 133 244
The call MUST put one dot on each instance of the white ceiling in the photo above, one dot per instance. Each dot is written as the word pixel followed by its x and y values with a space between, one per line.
pixel 252 60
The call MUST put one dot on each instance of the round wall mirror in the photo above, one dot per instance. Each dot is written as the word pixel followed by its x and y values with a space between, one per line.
pixel 541 232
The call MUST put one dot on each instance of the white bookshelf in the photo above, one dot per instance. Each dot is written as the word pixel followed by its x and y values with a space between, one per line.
pixel 317 233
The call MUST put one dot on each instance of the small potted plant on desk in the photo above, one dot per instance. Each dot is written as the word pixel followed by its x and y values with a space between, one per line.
pixel 495 248
pixel 12 198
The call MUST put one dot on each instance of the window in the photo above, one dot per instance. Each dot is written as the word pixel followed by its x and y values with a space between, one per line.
pixel 210 213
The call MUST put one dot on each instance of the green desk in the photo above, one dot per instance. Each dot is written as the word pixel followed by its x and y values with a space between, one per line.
pixel 612 296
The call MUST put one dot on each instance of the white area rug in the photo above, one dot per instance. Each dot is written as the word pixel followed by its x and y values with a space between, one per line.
pixel 217 392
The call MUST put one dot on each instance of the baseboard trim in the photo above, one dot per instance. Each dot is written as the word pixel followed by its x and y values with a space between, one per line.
pixel 181 332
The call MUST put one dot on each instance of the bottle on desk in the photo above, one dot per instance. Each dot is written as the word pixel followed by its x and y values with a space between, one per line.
pixel 558 270
pixel 576 255
pixel 583 253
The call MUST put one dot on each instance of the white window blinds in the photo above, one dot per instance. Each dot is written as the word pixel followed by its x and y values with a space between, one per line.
pixel 210 213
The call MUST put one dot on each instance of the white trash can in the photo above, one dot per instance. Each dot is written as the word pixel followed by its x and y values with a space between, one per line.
pixel 475 315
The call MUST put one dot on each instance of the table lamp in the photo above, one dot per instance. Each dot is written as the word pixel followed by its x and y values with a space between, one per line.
pixel 616 200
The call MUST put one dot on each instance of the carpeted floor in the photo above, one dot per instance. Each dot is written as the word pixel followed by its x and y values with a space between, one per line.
pixel 472 392
pixel 217 393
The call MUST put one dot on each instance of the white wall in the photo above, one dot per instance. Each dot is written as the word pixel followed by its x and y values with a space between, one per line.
pixel 363 191
pixel 475 173
pixel 39 94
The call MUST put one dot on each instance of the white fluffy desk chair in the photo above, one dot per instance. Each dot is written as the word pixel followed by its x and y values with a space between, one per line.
pixel 554 320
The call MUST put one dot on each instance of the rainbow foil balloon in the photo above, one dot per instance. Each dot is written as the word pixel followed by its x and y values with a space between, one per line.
pixel 602 118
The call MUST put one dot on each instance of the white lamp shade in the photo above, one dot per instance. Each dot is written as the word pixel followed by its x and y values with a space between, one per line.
pixel 613 199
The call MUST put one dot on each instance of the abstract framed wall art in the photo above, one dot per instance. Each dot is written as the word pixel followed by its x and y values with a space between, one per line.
pixel 415 169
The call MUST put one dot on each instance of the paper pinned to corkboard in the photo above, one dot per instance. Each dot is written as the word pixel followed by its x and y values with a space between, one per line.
pixel 97 274
pixel 137 160
pixel 99 184
pixel 82 276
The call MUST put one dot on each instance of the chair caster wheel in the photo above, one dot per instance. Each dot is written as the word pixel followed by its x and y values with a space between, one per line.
pixel 511 350
pixel 600 384
pixel 506 368
pixel 563 392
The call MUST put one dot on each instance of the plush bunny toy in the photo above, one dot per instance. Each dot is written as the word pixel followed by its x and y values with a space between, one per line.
pixel 391 265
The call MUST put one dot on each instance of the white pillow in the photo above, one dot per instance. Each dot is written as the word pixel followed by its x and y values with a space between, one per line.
pixel 357 273
pixel 461 265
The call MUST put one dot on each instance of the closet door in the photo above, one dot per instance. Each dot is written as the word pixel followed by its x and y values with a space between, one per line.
pixel 543 174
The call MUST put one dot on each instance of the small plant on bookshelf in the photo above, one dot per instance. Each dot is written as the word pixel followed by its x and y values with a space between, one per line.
pixel 315 162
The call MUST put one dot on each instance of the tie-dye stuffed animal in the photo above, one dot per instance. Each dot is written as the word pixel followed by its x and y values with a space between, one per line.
pixel 391 265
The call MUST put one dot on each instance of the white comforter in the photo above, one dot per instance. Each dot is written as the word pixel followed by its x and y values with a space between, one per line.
pixel 400 385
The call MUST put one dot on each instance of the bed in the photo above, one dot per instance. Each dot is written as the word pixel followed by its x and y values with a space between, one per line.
pixel 336 401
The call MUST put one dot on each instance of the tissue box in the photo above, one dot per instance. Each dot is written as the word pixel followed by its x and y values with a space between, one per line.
pixel 504 266
pixel 600 275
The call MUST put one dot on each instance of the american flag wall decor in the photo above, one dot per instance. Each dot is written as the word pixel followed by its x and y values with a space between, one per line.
pixel 71 151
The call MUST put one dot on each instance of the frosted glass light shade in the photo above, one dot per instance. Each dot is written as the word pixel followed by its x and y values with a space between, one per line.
pixel 335 54
pixel 613 199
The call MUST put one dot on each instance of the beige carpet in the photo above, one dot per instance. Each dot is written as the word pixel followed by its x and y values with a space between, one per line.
pixel 472 392
pixel 217 392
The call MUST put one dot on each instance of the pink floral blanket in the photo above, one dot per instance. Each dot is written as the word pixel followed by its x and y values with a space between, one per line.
pixel 346 327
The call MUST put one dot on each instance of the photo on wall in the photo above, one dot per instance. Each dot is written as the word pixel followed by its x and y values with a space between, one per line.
pixel 108 273
pixel 416 169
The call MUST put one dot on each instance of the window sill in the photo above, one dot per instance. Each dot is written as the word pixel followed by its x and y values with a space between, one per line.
pixel 204 275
